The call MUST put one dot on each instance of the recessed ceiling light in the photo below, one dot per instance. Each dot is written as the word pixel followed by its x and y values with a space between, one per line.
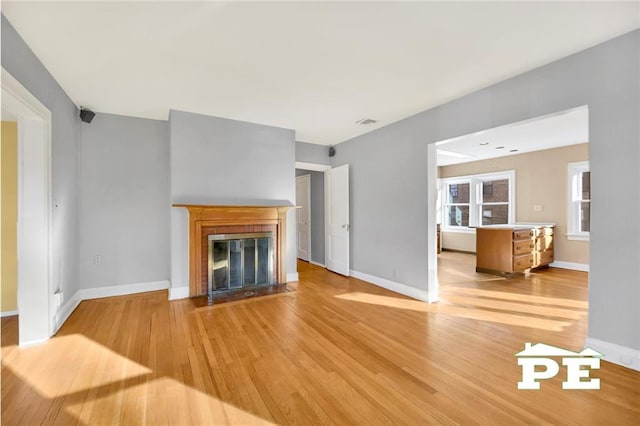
pixel 499 147
pixel 484 143
pixel 366 121
pixel 513 150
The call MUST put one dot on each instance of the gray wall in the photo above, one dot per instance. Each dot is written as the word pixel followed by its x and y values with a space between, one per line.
pixel 124 201
pixel 220 161
pixel 389 178
pixel 24 66
pixel 317 214
pixel 229 161
pixel 312 153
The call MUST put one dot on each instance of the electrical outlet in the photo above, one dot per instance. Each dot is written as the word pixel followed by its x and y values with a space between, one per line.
pixel 537 207
pixel 97 259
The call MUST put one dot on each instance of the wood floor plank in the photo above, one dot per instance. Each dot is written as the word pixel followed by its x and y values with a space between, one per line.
pixel 336 351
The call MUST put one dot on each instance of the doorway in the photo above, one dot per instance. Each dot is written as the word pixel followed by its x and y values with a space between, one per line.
pixel 317 211
pixel 9 182
pixel 303 216
pixel 516 174
pixel 34 289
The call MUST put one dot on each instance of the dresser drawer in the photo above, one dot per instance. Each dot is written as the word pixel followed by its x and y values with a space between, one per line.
pixel 522 262
pixel 523 247
pixel 524 234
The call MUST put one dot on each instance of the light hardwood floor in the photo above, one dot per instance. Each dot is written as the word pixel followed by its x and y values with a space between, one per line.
pixel 336 351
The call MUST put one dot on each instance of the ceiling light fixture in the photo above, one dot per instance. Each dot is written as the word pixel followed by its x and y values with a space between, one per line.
pixel 513 150
pixel 484 143
pixel 499 147
pixel 365 121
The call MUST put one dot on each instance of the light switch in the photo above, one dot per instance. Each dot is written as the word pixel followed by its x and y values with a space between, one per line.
pixel 537 207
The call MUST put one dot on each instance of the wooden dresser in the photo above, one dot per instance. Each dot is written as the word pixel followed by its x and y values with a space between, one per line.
pixel 506 249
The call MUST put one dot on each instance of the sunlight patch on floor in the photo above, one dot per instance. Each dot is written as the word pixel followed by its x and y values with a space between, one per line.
pixel 391 302
pixel 166 401
pixel 515 296
pixel 56 356
pixel 107 388
pixel 526 308
pixel 457 311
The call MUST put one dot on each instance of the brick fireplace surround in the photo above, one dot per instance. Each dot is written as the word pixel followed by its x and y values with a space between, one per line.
pixel 211 220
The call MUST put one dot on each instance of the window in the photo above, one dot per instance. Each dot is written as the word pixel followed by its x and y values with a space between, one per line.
pixel 477 200
pixel 579 211
pixel 457 209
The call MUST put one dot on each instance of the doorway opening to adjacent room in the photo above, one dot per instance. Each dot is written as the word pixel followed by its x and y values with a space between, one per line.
pixel 512 207
pixel 35 292
pixel 323 228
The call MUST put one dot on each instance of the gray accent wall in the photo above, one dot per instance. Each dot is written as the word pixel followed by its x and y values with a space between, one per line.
pixel 312 153
pixel 389 175
pixel 317 214
pixel 219 161
pixel 229 161
pixel 124 201
pixel 20 61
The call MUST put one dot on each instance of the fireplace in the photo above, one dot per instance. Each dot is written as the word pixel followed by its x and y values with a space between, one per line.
pixel 237 261
pixel 235 247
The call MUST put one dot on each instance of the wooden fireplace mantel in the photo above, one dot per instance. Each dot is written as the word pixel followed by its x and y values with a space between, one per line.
pixel 203 216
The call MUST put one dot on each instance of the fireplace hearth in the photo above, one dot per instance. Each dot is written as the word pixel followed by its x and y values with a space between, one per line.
pixel 235 248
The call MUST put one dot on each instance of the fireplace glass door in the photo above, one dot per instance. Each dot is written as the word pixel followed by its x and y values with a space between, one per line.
pixel 240 260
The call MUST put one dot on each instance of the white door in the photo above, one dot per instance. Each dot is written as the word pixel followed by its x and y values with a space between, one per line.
pixel 303 216
pixel 337 219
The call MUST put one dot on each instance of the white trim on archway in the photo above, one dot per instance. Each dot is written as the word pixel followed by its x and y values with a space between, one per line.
pixel 35 290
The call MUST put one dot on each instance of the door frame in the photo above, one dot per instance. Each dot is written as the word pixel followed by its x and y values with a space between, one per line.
pixel 433 285
pixel 307 180
pixel 35 215
pixel 316 167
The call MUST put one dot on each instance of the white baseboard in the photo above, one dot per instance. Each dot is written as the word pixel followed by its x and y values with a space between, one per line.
pixel 317 264
pixel 177 293
pixel 96 293
pixel 67 309
pixel 394 286
pixel 122 290
pixel 617 354
pixel 570 265
pixel 8 314
pixel 292 276
pixel 32 343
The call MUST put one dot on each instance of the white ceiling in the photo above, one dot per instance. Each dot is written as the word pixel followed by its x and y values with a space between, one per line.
pixel 561 129
pixel 313 67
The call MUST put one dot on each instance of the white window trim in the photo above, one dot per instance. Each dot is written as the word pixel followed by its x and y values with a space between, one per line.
pixel 474 195
pixel 573 210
